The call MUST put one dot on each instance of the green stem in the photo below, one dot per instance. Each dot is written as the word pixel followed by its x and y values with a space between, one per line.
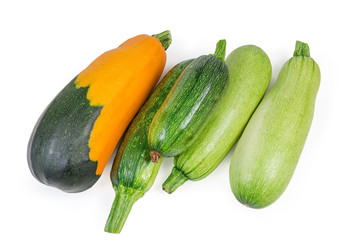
pixel 175 180
pixel 220 50
pixel 164 38
pixel 301 49
pixel 123 202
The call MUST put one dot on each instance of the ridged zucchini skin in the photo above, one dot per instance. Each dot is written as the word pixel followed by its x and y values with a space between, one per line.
pixel 268 151
pixel 133 172
pixel 58 153
pixel 249 77
pixel 189 105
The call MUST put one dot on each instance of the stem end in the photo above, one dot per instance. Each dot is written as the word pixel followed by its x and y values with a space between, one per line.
pixel 175 180
pixel 164 37
pixel 220 50
pixel 301 49
pixel 123 202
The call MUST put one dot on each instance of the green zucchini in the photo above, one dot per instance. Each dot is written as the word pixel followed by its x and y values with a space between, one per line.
pixel 249 77
pixel 133 172
pixel 268 151
pixel 189 105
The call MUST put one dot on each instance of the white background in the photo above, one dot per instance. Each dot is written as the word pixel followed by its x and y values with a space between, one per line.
pixel 44 44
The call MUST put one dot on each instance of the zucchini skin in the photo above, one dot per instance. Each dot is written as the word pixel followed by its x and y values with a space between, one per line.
pixel 189 106
pixel 58 153
pixel 133 173
pixel 249 77
pixel 268 151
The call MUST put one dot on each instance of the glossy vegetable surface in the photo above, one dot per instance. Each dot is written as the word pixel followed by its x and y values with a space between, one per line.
pixel 189 105
pixel 78 131
pixel 249 77
pixel 269 149
pixel 133 172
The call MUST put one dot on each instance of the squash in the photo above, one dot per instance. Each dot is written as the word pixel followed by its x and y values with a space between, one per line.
pixel 249 76
pixel 78 131
pixel 133 172
pixel 266 156
pixel 189 105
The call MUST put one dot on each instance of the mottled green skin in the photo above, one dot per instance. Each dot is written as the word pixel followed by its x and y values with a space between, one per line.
pixel 133 173
pixel 189 106
pixel 58 151
pixel 268 151
pixel 249 77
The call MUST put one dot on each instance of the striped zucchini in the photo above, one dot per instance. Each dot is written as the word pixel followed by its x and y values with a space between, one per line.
pixel 133 173
pixel 249 77
pixel 189 105
pixel 269 149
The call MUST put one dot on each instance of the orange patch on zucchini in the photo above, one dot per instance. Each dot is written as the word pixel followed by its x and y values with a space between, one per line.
pixel 120 80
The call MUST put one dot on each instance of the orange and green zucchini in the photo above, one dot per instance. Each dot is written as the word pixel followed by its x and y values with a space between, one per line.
pixel 78 131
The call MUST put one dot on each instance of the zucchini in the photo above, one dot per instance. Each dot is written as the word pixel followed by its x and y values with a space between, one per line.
pixel 268 151
pixel 78 131
pixel 133 172
pixel 249 77
pixel 189 105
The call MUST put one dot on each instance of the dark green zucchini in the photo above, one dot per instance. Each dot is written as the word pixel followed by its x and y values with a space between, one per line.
pixel 190 104
pixel 133 172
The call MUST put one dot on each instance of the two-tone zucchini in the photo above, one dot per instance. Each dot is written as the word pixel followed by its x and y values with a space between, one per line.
pixel 189 105
pixel 249 77
pixel 78 131
pixel 268 151
pixel 133 172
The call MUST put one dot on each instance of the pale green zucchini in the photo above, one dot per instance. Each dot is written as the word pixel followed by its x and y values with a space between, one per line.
pixel 268 151
pixel 249 76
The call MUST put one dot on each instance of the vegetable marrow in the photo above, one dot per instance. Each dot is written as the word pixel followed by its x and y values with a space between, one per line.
pixel 133 172
pixel 189 105
pixel 249 77
pixel 268 151
pixel 78 131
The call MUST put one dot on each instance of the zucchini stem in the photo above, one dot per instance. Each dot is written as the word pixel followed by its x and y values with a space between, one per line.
pixel 301 49
pixel 175 180
pixel 164 38
pixel 123 202
pixel 220 50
